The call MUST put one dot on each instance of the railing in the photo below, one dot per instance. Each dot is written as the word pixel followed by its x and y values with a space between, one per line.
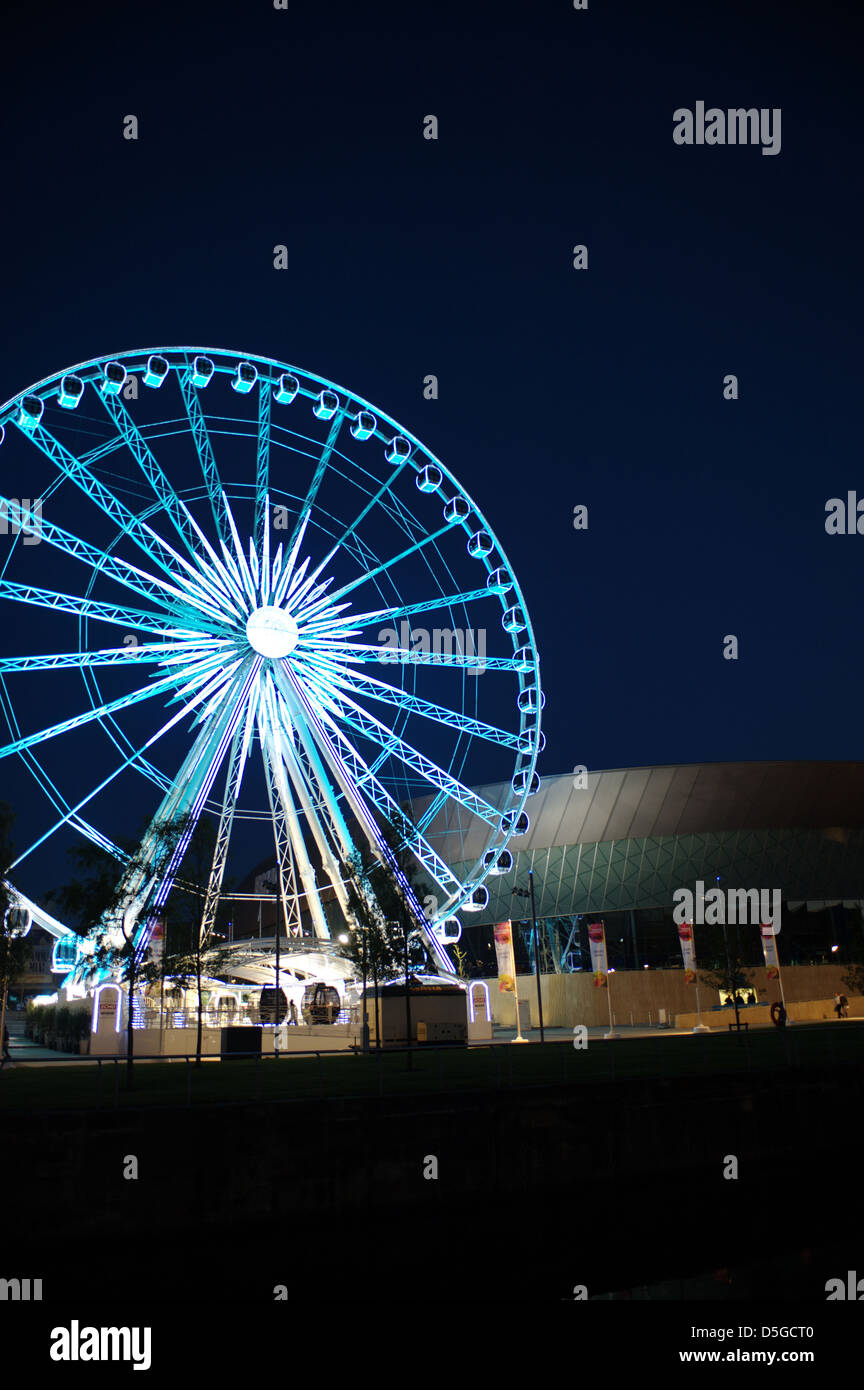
pixel 218 1018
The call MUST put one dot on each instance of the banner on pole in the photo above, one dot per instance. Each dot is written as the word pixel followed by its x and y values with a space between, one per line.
pixel 769 951
pixel 597 940
pixel 688 953
pixel 506 958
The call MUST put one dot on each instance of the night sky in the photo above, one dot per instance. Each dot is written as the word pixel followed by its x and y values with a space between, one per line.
pixel 557 387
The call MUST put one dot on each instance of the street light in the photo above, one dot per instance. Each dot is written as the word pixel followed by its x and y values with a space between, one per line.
pixel 364 1031
pixel 529 893
pixel 279 910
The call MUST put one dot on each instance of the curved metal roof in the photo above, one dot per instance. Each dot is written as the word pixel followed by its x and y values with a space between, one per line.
pixel 632 835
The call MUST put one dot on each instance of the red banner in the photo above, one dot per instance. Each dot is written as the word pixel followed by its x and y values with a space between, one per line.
pixel 688 952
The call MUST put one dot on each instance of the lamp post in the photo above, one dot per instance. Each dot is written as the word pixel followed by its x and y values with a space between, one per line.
pixel 279 911
pixel 529 893
pixel 364 1031
pixel 408 1004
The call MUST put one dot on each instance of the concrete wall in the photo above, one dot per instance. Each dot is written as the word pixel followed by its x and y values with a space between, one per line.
pixel 759 1015
pixel 182 1042
pixel 572 999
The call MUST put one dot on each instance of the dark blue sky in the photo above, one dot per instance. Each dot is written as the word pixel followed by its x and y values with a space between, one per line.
pixel 406 257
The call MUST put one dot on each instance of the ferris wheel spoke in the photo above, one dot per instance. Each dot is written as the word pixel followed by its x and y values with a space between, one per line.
pixel 262 468
pixel 360 787
pixel 130 576
pixel 238 564
pixel 318 476
pixel 413 704
pixel 152 470
pixel 160 687
pixel 107 656
pixel 206 457
pixel 351 772
pixel 363 652
pixel 135 756
pixel 407 610
pixel 97 838
pixel 113 613
pixel 373 501
pixel 184 804
pixel 368 786
pixel 100 451
pixel 388 564
pixel 365 724
pixel 53 793
pixel 92 487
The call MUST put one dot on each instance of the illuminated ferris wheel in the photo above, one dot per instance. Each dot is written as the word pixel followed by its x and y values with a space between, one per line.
pixel 319 630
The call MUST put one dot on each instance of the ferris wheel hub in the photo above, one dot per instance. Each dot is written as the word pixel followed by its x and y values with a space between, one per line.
pixel 272 632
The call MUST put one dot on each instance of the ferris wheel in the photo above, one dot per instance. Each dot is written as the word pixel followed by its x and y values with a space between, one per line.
pixel 320 631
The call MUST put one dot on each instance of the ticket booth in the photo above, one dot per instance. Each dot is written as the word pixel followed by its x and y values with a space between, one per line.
pixel 431 1010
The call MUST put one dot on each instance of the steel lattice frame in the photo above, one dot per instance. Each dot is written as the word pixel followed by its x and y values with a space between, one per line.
pixel 269 646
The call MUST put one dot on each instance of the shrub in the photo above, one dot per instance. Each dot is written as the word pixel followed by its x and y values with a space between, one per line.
pixel 854 979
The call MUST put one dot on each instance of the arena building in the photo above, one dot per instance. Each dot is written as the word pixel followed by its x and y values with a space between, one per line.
pixel 617 844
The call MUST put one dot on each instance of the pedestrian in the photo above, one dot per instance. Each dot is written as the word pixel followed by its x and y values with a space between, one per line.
pixel 838 1007
pixel 844 1006
pixel 781 1016
pixel 292 1014
pixel 6 1054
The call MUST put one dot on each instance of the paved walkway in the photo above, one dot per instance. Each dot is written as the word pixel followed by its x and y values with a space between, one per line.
pixel 23 1049
pixel 643 1031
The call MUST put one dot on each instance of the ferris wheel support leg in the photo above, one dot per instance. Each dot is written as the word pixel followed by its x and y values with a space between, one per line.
pixel 184 800
pixel 306 801
pixel 295 838
pixel 318 776
pixel 388 808
pixel 223 834
pixel 288 894
pixel 376 841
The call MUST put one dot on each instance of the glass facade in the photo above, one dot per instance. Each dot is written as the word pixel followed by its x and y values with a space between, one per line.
pixel 629 884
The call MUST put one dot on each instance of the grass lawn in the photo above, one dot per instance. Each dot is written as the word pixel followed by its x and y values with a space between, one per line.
pixel 76 1086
